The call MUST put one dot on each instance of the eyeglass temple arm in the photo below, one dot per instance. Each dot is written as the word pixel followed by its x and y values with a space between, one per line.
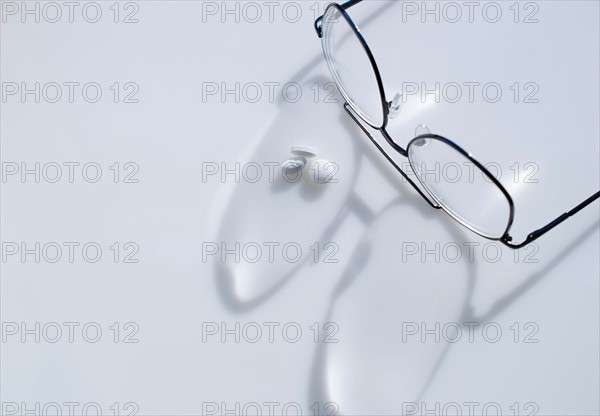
pixel 506 240
pixel 344 6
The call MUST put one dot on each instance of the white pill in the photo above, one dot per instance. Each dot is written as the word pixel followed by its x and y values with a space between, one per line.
pixel 293 165
pixel 323 171
pixel 306 151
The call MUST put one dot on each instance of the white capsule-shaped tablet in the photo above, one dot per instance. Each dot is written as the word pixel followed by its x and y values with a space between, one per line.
pixel 293 165
pixel 305 151
pixel 324 171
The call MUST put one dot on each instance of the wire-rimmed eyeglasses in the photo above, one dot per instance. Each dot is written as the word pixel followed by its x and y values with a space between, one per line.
pixel 478 202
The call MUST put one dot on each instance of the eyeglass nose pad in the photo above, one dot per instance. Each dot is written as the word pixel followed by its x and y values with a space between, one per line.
pixel 394 106
pixel 421 129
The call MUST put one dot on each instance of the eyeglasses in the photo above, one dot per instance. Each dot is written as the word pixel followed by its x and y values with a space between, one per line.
pixel 477 201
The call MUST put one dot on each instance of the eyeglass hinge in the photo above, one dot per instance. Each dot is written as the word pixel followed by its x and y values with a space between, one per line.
pixel 318 26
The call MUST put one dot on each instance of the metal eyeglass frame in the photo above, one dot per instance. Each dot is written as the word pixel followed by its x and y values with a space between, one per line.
pixel 506 239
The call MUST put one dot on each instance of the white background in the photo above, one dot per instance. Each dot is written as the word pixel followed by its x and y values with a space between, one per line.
pixel 374 291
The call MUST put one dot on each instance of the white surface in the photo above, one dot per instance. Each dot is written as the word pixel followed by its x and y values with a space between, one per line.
pixel 374 288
